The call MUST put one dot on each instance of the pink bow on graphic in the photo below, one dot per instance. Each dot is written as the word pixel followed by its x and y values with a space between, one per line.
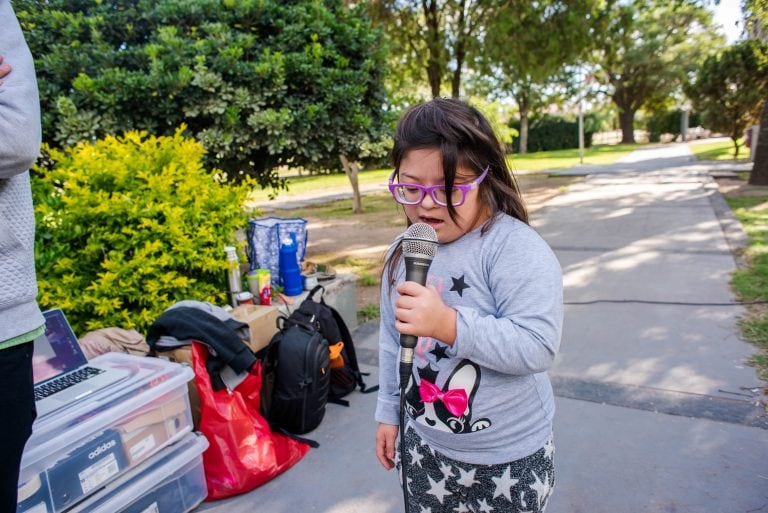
pixel 454 400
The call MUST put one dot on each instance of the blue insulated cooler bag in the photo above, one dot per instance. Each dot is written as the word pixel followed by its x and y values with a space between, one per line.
pixel 264 239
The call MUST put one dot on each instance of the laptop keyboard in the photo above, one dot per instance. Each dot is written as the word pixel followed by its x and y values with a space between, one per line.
pixel 63 382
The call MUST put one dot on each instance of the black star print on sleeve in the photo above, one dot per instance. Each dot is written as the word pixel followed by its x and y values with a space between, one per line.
pixel 459 285
pixel 439 352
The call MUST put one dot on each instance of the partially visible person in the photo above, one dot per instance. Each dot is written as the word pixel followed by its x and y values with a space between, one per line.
pixel 20 318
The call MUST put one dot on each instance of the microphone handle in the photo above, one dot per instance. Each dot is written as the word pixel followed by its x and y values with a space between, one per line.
pixel 416 269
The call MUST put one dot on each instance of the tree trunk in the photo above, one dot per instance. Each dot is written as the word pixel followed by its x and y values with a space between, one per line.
pixel 460 51
pixel 351 169
pixel 759 174
pixel 523 101
pixel 523 131
pixel 433 75
pixel 627 123
pixel 456 81
pixel 434 47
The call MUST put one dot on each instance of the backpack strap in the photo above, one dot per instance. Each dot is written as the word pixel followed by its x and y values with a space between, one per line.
pixel 336 400
pixel 349 347
pixel 346 337
pixel 312 292
pixel 309 442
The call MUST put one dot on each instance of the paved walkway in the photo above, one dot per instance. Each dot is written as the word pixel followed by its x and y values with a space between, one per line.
pixel 656 409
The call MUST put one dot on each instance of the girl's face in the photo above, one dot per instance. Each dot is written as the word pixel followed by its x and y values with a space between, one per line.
pixel 424 167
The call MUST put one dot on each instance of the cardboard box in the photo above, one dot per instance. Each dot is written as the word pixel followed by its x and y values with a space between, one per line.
pixel 262 323
pixel 183 355
pixel 145 432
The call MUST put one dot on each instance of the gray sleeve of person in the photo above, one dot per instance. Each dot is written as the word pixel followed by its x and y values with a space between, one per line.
pixel 515 327
pixel 20 130
pixel 388 405
pixel 19 147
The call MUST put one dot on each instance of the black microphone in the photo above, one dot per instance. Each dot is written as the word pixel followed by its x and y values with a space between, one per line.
pixel 419 246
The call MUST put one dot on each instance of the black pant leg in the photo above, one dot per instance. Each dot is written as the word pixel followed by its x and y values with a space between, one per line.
pixel 17 413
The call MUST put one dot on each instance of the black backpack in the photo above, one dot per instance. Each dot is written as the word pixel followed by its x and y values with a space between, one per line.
pixel 297 377
pixel 345 373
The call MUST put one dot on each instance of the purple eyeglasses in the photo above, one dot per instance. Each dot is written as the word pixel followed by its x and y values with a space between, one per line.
pixel 414 194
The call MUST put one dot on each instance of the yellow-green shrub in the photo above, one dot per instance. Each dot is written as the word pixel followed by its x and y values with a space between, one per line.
pixel 129 225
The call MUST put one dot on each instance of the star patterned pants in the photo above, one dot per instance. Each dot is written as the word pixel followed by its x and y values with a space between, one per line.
pixel 438 484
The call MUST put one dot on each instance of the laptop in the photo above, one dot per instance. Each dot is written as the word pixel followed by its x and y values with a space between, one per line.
pixel 61 371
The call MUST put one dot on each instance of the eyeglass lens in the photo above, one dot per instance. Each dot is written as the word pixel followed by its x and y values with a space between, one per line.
pixel 414 195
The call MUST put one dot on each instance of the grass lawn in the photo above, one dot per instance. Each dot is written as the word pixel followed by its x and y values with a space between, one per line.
pixel 307 183
pixel 563 159
pixel 751 283
pixel 717 150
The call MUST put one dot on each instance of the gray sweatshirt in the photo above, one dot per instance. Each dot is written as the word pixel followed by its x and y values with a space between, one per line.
pixel 506 286
pixel 19 147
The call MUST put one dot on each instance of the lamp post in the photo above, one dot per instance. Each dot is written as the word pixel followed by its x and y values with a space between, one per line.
pixel 584 80
pixel 581 132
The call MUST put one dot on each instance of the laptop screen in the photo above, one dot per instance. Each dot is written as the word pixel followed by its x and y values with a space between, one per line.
pixel 57 351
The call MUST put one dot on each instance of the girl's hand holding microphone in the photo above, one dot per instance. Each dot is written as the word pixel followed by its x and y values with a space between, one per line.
pixel 420 311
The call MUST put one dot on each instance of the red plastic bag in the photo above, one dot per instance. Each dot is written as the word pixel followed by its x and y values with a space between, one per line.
pixel 243 452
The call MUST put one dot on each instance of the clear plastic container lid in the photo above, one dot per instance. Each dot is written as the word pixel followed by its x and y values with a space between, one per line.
pixel 149 379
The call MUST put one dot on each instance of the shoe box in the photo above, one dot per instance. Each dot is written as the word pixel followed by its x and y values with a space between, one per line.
pixel 171 481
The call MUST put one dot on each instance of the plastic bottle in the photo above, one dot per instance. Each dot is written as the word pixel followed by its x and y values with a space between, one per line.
pixel 234 280
pixel 290 273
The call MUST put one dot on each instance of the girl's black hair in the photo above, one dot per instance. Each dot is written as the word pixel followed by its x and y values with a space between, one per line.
pixel 465 138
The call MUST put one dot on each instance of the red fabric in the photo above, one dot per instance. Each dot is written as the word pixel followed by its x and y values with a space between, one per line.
pixel 243 452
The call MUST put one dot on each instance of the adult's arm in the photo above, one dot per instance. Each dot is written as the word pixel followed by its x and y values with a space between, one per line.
pixel 20 131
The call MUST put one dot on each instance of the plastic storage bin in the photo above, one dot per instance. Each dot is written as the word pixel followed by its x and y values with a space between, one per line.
pixel 74 452
pixel 172 481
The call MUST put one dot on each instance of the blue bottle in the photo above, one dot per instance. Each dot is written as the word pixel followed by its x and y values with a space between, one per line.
pixel 290 273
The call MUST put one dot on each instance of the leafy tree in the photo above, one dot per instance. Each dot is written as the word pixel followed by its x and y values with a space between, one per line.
pixel 756 19
pixel 756 15
pixel 261 83
pixel 498 116
pixel 649 49
pixel 434 37
pixel 729 89
pixel 528 46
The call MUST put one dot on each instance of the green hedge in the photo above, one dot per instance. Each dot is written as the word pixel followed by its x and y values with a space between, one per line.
pixel 552 133
pixel 129 225
pixel 668 122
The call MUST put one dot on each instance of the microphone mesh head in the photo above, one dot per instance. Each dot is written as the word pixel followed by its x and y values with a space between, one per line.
pixel 420 239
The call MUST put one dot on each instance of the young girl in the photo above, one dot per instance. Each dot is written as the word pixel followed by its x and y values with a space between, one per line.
pixel 479 403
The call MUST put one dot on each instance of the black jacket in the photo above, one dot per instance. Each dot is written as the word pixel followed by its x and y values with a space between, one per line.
pixel 224 344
